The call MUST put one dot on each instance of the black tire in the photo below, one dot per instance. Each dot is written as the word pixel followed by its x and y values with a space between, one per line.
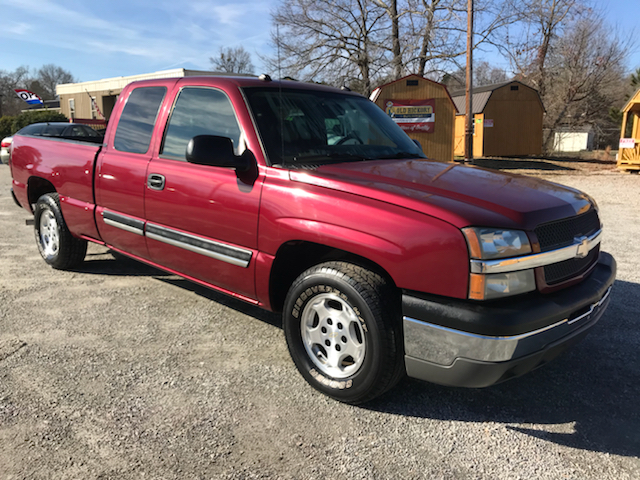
pixel 358 354
pixel 55 243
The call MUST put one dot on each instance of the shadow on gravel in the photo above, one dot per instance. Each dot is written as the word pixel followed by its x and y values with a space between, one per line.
pixel 118 265
pixel 228 301
pixel 591 391
pixel 125 266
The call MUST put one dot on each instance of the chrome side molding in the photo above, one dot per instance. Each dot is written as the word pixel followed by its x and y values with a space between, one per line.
pixel 240 257
pixel 219 251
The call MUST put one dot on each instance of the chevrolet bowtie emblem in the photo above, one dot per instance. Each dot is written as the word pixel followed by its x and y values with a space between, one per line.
pixel 583 248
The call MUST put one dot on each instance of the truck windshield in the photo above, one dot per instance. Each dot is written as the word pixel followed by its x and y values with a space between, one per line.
pixel 302 128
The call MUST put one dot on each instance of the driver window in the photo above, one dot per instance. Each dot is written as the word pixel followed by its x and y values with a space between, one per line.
pixel 200 111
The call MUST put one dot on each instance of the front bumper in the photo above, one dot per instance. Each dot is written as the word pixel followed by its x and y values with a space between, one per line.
pixel 467 344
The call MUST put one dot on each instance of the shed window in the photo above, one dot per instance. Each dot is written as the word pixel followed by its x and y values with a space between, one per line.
pixel 72 107
pixel 412 83
pixel 515 87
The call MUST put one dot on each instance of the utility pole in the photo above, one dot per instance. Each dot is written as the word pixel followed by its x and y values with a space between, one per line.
pixel 468 143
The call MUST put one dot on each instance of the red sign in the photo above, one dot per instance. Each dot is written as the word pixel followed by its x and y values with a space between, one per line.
pixel 413 115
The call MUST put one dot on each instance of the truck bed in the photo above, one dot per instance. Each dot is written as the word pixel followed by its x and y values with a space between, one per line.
pixel 69 168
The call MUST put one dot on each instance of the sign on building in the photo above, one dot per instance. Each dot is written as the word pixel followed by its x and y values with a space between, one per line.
pixel 413 115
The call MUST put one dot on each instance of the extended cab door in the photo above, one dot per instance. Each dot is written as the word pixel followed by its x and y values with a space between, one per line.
pixel 202 220
pixel 120 176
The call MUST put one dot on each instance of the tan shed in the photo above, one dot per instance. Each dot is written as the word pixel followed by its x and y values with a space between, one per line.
pixel 424 110
pixel 507 120
pixel 629 151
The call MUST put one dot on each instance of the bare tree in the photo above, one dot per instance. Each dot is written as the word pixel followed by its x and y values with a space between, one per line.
pixel 338 42
pixel 364 43
pixel 49 77
pixel 585 76
pixel 483 74
pixel 233 60
pixel 10 104
pixel 542 23
pixel 43 83
pixel 565 51
pixel 390 7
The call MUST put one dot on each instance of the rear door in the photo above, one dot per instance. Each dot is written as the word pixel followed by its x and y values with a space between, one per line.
pixel 202 221
pixel 120 180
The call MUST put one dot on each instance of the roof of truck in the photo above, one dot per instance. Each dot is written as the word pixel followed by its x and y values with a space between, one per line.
pixel 242 82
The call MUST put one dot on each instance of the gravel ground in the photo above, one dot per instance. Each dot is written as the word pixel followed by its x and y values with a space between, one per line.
pixel 119 371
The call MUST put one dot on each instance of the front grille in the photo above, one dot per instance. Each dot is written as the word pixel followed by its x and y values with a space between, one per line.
pixel 561 271
pixel 560 233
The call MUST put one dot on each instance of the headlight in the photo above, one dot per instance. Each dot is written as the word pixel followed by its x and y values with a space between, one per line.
pixel 496 285
pixel 490 243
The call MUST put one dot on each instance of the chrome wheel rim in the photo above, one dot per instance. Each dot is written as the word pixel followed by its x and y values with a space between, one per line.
pixel 333 335
pixel 49 233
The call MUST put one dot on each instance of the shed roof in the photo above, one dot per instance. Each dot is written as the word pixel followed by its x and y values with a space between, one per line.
pixel 376 93
pixel 481 96
pixel 634 101
pixel 478 102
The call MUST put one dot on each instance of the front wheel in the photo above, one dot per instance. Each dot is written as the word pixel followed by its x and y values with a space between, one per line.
pixel 342 326
pixel 57 246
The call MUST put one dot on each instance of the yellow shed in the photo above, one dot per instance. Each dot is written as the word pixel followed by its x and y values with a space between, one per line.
pixel 424 110
pixel 507 120
pixel 629 151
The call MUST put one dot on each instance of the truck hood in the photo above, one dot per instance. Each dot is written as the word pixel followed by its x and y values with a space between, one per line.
pixel 461 195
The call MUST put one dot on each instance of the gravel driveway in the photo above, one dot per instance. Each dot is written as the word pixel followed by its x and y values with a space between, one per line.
pixel 120 371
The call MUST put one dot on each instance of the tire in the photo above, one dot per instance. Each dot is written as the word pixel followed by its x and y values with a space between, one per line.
pixel 343 330
pixel 57 246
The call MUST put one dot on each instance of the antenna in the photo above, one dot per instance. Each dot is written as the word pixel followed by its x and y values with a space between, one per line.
pixel 278 50
pixel 280 96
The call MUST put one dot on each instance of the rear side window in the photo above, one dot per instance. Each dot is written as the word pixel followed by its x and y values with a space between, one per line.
pixel 53 130
pixel 199 111
pixel 34 129
pixel 138 118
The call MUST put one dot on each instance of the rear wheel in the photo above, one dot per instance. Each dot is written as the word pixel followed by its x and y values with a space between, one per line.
pixel 342 326
pixel 57 246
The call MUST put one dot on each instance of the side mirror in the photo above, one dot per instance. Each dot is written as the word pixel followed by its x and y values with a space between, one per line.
pixel 215 151
pixel 417 143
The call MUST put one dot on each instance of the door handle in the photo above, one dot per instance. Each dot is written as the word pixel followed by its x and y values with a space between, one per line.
pixel 155 181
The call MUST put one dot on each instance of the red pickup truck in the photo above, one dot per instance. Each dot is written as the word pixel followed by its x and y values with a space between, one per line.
pixel 310 201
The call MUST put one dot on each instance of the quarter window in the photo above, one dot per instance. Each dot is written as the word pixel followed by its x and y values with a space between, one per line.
pixel 138 118
pixel 199 111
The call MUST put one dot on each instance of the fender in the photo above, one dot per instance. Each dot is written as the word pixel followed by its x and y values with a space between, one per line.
pixel 418 251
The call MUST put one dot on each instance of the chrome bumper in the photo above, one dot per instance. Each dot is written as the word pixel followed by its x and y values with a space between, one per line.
pixel 451 356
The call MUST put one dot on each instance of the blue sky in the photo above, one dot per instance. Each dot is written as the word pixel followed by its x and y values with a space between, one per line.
pixel 95 40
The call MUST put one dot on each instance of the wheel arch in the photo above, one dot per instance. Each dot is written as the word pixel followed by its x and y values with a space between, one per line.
pixel 296 256
pixel 36 187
